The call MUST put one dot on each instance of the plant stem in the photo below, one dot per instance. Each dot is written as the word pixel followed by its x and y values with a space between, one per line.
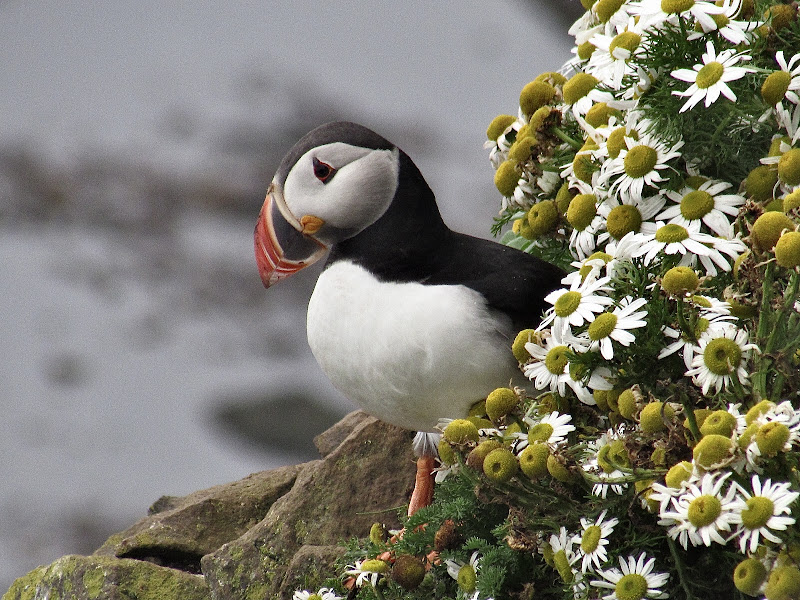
pixel 685 326
pixel 378 593
pixel 762 333
pixel 560 134
pixel 690 420
pixel 679 568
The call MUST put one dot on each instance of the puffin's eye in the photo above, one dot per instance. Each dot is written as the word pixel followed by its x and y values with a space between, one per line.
pixel 322 171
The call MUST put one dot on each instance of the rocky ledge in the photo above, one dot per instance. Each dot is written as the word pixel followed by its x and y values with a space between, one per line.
pixel 261 537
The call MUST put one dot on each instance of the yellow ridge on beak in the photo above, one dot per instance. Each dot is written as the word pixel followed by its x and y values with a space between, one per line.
pixel 310 224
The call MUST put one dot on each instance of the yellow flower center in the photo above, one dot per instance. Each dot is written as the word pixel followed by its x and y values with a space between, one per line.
pixel 616 141
pixel 467 579
pixel 787 249
pixel 679 281
pixel 540 432
pixel 374 566
pixel 556 360
pixel 583 167
pixel 789 167
pixel 749 575
pixel 562 565
pixel 623 219
pixel 602 326
pixel 696 205
pixel 772 437
pixel 671 233
pixel 627 40
pixel 578 86
pixel 631 587
pixel 704 510
pixel 759 510
pixel 676 6
pixel 775 87
pixel 709 74
pixel 720 20
pixel 605 9
pixel 640 160
pixel 722 356
pixel 542 217
pixel 567 303
pixel 591 539
pixel 582 211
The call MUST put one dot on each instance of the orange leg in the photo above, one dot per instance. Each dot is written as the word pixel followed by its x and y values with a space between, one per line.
pixel 423 485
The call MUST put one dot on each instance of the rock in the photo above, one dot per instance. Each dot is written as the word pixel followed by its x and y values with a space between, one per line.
pixel 261 537
pixel 96 577
pixel 309 568
pixel 332 500
pixel 181 530
pixel 330 439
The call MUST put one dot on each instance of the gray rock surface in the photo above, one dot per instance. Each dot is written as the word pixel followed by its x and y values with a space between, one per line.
pixel 261 537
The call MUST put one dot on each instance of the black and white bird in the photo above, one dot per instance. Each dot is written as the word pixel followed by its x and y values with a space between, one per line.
pixel 411 321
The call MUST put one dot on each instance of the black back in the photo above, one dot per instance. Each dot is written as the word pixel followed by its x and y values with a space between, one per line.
pixel 410 242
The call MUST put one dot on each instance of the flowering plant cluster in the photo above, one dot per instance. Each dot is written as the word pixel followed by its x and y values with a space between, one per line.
pixel 654 451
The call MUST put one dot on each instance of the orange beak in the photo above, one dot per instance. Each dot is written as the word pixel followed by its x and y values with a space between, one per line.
pixel 282 245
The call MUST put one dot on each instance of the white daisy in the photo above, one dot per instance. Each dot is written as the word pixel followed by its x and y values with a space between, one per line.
pixel 593 266
pixel 644 80
pixel 710 79
pixel 564 554
pixel 762 512
pixel 706 320
pixel 592 541
pixel 634 580
pixel 549 365
pixel 638 164
pixel 466 574
pixel 322 594
pixel 711 307
pixel 654 13
pixel 610 61
pixel 706 204
pixel 601 488
pixel 791 75
pixel 721 354
pixel 690 243
pixel 625 214
pixel 583 97
pixel 781 417
pixel 615 20
pixel 367 571
pixel 622 251
pixel 563 540
pixel 583 383
pixel 578 304
pixel 736 32
pixel 583 242
pixel 663 495
pixel 584 28
pixel 789 120
pixel 552 429
pixel 701 512
pixel 616 326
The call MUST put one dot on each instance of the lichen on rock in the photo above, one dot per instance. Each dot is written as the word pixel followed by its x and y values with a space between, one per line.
pixel 260 537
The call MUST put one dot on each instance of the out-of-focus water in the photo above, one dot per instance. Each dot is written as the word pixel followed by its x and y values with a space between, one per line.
pixel 135 144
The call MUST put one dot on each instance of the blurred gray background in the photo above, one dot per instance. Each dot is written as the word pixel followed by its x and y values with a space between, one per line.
pixel 139 353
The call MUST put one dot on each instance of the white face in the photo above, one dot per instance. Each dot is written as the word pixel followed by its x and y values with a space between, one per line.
pixel 358 192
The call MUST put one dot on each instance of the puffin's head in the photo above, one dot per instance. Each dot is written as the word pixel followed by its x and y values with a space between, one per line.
pixel 334 183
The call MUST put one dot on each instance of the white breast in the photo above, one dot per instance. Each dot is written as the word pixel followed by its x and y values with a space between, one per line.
pixel 407 353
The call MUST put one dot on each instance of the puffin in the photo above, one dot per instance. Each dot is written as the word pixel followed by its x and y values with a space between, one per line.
pixel 410 320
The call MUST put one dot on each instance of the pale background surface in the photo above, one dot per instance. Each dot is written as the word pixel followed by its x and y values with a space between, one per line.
pixel 136 141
